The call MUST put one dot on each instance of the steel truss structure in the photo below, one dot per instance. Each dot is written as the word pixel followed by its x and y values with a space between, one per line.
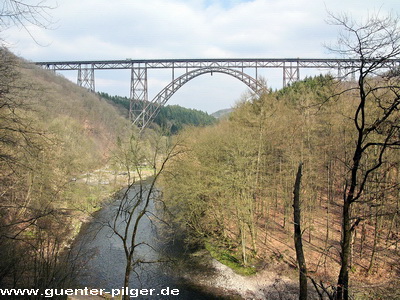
pixel 142 110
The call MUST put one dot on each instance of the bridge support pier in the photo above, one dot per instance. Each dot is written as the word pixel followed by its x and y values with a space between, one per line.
pixel 291 73
pixel 346 72
pixel 138 94
pixel 86 77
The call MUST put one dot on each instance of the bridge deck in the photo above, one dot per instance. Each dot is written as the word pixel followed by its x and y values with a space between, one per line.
pixel 319 63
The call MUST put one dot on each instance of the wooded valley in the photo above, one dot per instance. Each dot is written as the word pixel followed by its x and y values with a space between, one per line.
pixel 303 181
pixel 64 153
pixel 324 148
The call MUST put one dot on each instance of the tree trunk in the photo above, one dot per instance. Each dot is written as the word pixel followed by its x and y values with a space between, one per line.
pixel 376 239
pixel 297 236
pixel 343 280
pixel 128 270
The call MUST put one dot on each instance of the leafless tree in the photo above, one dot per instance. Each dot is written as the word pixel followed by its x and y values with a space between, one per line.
pixel 23 13
pixel 135 203
pixel 375 42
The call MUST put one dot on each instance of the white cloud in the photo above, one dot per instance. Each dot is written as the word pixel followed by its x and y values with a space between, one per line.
pixel 195 28
pixel 119 29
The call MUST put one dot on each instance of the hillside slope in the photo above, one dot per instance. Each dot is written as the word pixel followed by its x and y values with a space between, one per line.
pixel 61 104
pixel 52 132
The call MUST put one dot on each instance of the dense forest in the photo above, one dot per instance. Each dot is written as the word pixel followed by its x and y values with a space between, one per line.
pixel 232 190
pixel 171 118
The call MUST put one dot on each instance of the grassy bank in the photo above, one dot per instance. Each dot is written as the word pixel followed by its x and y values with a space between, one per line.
pixel 229 259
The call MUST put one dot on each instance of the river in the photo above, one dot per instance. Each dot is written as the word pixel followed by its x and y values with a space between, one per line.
pixel 102 254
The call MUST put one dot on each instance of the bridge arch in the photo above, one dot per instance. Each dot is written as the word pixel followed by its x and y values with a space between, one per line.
pixel 151 108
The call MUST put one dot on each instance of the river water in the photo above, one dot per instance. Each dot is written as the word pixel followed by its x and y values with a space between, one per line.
pixel 102 254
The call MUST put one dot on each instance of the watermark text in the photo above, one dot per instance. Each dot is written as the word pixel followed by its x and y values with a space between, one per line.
pixel 132 293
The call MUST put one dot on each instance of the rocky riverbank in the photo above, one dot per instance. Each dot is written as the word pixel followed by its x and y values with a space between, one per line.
pixel 262 285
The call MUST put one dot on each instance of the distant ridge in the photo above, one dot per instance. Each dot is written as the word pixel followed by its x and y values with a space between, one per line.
pixel 222 113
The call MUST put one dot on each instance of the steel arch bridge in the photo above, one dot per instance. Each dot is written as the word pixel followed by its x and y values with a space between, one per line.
pixel 142 111
pixel 143 116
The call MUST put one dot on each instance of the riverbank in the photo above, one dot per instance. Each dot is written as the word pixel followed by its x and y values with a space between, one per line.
pixel 209 275
pixel 273 281
pixel 96 188
pixel 213 276
pixel 262 285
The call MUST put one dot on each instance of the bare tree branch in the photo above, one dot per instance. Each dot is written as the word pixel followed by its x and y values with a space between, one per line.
pixel 25 14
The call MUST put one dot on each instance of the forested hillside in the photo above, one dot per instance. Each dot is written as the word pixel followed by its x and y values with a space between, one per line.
pixel 53 135
pixel 232 189
pixel 172 118
pixel 63 151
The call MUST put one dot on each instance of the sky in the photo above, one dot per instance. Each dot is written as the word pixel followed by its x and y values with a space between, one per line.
pixel 168 29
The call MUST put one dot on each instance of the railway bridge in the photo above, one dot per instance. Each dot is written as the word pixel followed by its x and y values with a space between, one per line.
pixel 142 111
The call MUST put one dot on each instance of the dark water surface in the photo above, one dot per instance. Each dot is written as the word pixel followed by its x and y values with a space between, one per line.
pixel 102 252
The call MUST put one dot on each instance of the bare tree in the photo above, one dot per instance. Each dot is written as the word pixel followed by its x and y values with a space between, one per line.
pixel 136 201
pixel 23 13
pixel 375 42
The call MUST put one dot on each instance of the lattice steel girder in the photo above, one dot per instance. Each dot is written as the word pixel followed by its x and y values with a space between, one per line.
pixel 201 63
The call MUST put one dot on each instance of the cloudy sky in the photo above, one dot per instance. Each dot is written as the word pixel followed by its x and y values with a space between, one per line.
pixel 157 29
